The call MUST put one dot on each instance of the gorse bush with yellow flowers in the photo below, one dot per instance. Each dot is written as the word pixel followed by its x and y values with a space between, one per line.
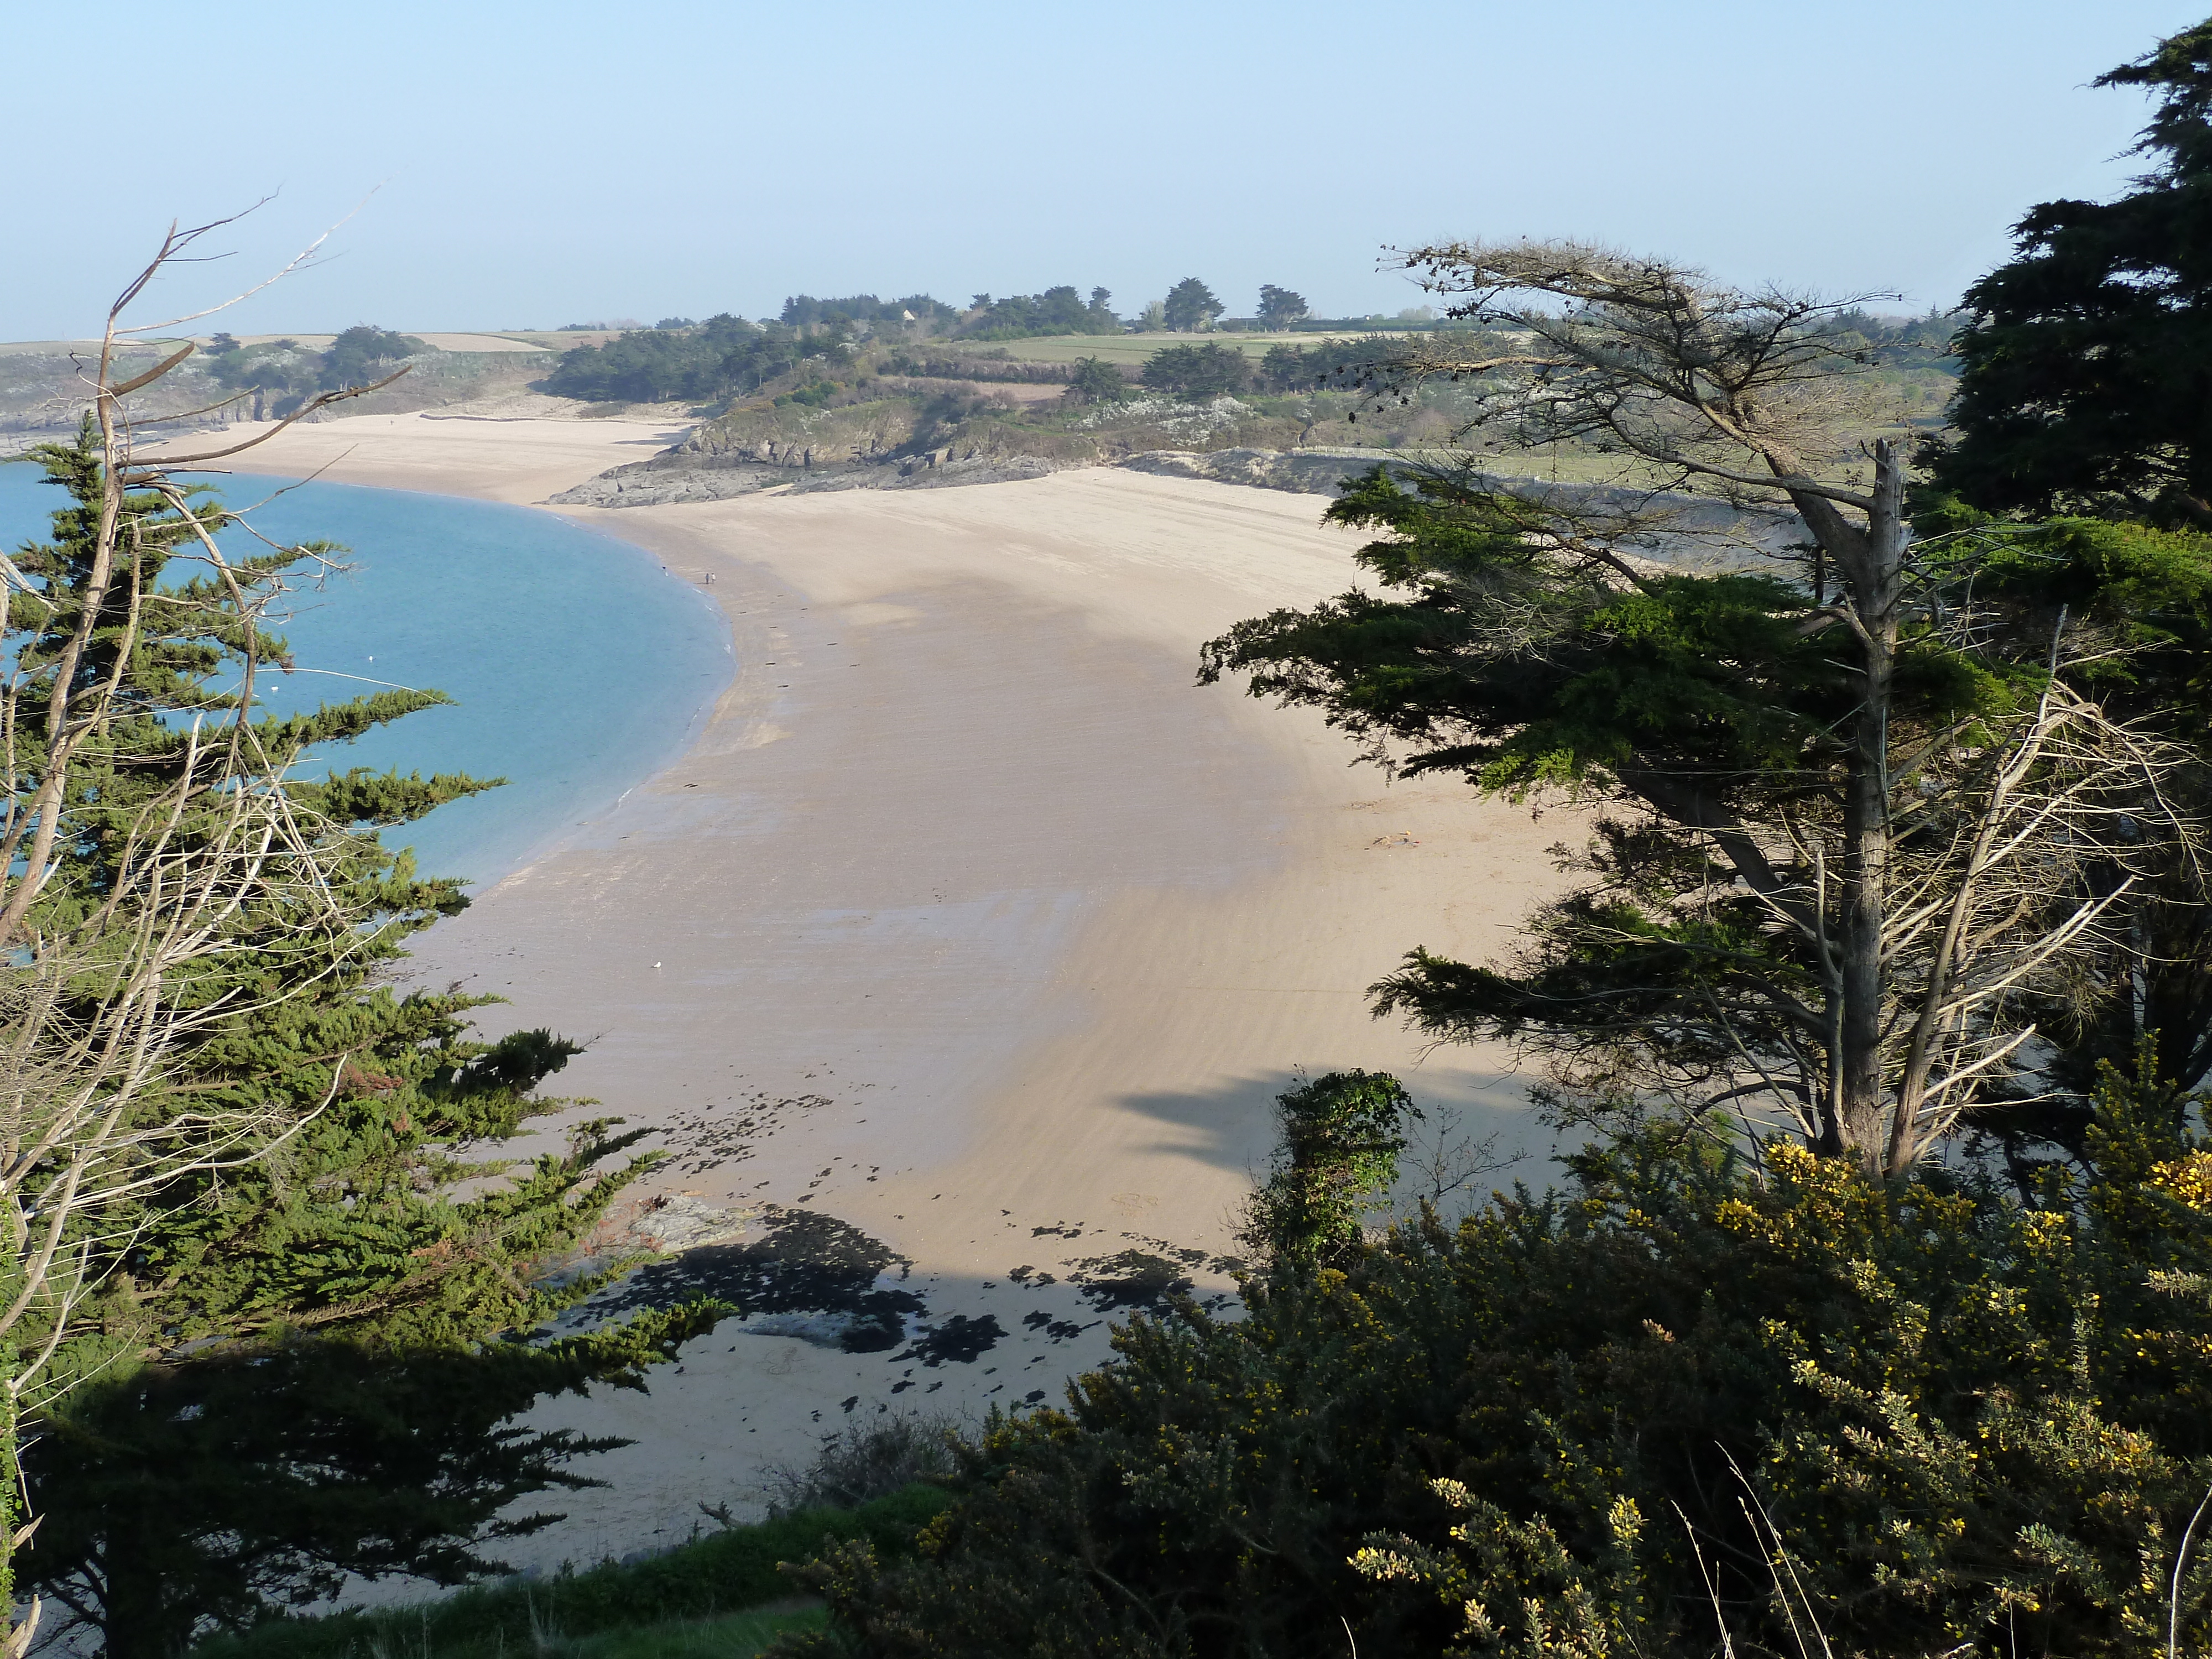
pixel 1702 1388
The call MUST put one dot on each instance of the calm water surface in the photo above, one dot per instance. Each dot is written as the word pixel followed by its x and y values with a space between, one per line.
pixel 580 667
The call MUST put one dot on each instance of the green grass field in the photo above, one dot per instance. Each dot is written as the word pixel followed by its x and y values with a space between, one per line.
pixel 1134 349
pixel 737 1635
pixel 721 1596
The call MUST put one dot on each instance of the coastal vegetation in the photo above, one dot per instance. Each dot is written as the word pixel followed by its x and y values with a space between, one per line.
pixel 804 311
pixel 725 358
pixel 1871 1317
pixel 1701 1396
pixel 1189 305
pixel 1055 311
pixel 281 375
pixel 257 1219
pixel 1279 307
pixel 861 409
pixel 698 364
pixel 1871 1311
pixel 2104 298
pixel 1877 816
pixel 1206 371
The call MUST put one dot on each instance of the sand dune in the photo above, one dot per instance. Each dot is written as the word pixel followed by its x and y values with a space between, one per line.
pixel 1010 931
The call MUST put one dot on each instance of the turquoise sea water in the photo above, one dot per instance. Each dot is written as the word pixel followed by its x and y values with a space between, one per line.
pixel 579 665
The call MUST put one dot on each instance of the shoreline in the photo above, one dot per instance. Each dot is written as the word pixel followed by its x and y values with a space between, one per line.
pixel 1000 934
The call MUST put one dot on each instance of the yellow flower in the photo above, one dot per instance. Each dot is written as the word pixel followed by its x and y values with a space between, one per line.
pixel 2189 1179
pixel 1625 1522
pixel 2045 1230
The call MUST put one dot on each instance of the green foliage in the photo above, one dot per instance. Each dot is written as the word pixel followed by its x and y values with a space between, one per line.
pixel 1521 1591
pixel 285 372
pixel 1920 344
pixel 1697 704
pixel 363 353
pixel 1969 1421
pixel 803 311
pixel 1096 381
pixel 1293 368
pixel 2083 387
pixel 864 1462
pixel 1337 1155
pixel 2145 596
pixel 1055 311
pixel 351 1220
pixel 737 1567
pixel 178 1498
pixel 353 1224
pixel 1279 307
pixel 1192 371
pixel 722 356
pixel 1190 304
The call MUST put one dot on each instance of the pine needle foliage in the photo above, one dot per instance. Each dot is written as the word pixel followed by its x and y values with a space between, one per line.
pixel 2057 668
pixel 2083 387
pixel 271 1363
pixel 220 1493
pixel 348 1221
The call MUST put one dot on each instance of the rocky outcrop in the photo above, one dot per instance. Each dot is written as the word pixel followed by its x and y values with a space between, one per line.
pixel 946 475
pixel 1312 472
pixel 672 478
pixel 795 436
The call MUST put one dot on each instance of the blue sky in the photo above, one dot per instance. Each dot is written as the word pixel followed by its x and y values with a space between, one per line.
pixel 568 159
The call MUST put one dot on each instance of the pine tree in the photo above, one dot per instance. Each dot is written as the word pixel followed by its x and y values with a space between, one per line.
pixel 1755 927
pixel 333 1217
pixel 2084 384
pixel 346 1222
pixel 176 1499
pixel 1190 305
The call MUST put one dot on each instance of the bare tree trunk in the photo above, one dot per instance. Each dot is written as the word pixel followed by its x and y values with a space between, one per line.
pixel 1876 587
pixel 1948 873
pixel 1863 1107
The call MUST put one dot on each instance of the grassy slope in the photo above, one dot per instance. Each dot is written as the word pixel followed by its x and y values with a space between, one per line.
pixel 1132 348
pixel 1915 397
pixel 675 1604
pixel 737 1636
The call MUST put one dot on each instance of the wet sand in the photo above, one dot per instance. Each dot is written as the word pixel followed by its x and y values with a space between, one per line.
pixel 969 920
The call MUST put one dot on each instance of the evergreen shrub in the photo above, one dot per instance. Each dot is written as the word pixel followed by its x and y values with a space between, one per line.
pixel 1705 1393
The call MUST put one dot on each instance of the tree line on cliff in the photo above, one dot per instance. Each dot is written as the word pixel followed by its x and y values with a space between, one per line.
pixel 727 355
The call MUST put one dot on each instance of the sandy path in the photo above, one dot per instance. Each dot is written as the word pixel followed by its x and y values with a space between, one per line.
pixel 1008 931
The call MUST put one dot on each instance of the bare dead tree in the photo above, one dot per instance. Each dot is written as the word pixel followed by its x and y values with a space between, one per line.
pixel 101 989
pixel 1943 881
pixel 1447 1159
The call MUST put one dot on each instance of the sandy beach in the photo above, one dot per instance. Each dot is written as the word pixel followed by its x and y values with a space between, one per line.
pixel 969 920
